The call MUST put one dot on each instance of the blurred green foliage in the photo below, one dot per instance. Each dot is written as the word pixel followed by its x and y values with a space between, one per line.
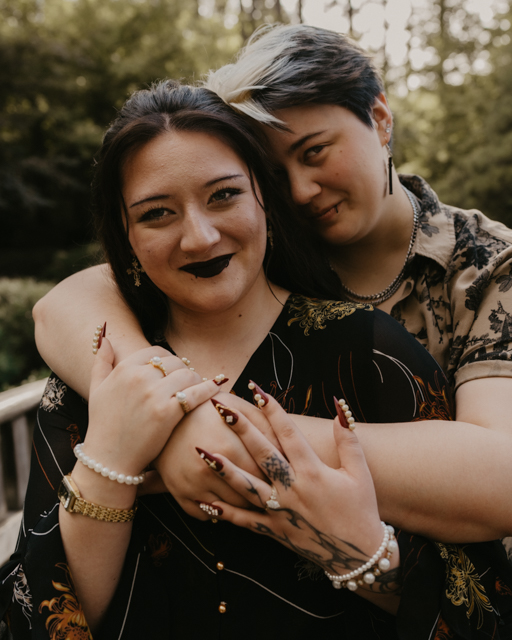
pixel 19 359
pixel 67 65
pixel 457 132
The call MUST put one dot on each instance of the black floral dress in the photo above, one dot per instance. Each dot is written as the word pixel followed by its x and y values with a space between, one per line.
pixel 186 579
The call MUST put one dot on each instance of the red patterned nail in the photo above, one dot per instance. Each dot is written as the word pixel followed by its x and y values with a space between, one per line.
pixel 210 509
pixel 227 414
pixel 220 379
pixel 341 415
pixel 259 396
pixel 102 335
pixel 213 462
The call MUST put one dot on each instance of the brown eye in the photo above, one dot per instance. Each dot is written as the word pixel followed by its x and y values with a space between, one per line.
pixel 223 195
pixel 157 213
pixel 313 151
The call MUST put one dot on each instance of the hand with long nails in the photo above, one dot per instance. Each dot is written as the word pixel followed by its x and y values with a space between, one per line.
pixel 329 516
pixel 186 475
pixel 140 394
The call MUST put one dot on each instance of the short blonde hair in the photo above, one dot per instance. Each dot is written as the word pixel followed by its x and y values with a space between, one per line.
pixel 288 65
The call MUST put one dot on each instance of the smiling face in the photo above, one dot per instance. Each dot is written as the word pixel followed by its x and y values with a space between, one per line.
pixel 195 224
pixel 336 167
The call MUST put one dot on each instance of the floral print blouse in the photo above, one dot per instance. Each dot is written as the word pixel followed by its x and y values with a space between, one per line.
pixel 185 579
pixel 457 297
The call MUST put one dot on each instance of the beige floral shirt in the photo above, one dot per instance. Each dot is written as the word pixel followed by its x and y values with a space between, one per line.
pixel 457 297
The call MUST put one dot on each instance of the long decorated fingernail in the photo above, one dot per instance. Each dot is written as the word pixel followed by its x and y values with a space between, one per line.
pixel 210 509
pixel 227 414
pixel 99 334
pixel 344 414
pixel 259 396
pixel 220 379
pixel 213 462
pixel 102 334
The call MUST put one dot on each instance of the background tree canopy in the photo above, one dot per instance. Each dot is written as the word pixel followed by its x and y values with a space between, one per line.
pixel 67 65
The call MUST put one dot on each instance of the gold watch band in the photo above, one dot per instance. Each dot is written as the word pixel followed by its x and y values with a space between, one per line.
pixel 107 514
pixel 72 501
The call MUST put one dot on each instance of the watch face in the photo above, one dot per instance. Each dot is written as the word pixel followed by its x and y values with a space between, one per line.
pixel 66 494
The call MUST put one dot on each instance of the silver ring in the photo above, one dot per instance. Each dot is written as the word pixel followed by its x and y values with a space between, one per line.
pixel 156 361
pixel 273 502
pixel 182 399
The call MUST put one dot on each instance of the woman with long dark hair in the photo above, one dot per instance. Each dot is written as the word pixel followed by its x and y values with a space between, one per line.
pixel 184 204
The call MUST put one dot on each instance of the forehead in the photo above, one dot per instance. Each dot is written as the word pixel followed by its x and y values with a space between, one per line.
pixel 178 160
pixel 304 121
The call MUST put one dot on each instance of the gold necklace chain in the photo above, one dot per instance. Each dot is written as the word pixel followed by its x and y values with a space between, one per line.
pixel 391 289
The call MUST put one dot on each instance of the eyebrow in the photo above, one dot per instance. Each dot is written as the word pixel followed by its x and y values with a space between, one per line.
pixel 298 143
pixel 165 195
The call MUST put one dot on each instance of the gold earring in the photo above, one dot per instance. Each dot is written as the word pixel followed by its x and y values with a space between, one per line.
pixel 136 270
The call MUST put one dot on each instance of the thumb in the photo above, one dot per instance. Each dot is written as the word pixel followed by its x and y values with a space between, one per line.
pixel 350 451
pixel 103 365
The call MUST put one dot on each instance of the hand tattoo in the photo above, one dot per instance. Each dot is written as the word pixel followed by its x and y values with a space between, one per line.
pixel 334 554
pixel 278 470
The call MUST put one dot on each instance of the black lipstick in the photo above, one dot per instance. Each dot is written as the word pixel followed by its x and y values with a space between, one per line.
pixel 209 268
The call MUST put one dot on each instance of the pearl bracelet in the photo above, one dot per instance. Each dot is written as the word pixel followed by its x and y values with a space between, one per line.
pixel 378 563
pixel 105 471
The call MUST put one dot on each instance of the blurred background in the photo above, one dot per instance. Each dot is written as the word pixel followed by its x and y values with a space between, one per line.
pixel 67 65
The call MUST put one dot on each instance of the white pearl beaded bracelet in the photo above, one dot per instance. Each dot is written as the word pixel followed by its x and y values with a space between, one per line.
pixel 105 471
pixel 378 563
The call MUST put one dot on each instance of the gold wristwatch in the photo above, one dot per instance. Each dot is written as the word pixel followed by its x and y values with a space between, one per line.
pixel 70 498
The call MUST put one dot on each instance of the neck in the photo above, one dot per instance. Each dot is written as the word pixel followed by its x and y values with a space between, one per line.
pixel 370 264
pixel 223 341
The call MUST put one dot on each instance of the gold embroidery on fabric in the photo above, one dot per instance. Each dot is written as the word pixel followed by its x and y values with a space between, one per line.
pixel 67 621
pixel 53 394
pixel 463 582
pixel 312 313
pixel 75 435
pixel 443 631
pixel 502 588
pixel 433 404
pixel 159 546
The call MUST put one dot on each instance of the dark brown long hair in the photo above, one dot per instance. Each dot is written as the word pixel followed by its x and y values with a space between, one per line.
pixel 167 106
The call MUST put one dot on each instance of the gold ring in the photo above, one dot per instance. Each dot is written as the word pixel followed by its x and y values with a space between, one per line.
pixel 156 361
pixel 182 399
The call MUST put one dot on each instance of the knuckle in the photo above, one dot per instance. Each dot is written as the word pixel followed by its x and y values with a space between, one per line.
pixel 288 430
pixel 191 377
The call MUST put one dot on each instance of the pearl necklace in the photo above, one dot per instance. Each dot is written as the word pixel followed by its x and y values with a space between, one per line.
pixel 391 289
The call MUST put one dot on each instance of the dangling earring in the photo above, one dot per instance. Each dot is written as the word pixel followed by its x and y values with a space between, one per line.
pixel 270 234
pixel 390 170
pixel 390 162
pixel 136 270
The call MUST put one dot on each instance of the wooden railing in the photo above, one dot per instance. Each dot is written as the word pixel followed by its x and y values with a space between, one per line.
pixel 17 414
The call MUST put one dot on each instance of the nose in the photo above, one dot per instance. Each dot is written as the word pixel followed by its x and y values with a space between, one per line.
pixel 199 233
pixel 303 186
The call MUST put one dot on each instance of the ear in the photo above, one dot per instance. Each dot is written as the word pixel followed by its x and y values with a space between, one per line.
pixel 383 118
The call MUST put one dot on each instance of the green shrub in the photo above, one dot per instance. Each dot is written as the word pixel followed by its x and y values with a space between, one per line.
pixel 19 359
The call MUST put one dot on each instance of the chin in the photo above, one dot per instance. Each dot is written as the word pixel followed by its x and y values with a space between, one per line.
pixel 213 302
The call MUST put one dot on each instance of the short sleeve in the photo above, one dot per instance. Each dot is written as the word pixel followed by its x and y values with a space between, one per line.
pixel 481 295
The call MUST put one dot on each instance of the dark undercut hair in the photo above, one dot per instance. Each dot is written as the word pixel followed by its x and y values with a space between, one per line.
pixel 289 66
